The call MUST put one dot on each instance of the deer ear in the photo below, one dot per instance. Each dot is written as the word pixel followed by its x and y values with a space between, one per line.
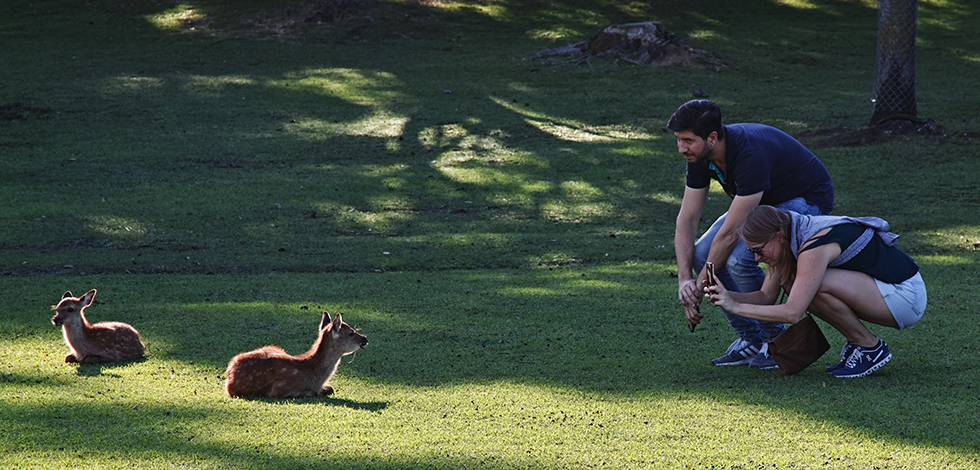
pixel 67 294
pixel 335 326
pixel 326 320
pixel 88 298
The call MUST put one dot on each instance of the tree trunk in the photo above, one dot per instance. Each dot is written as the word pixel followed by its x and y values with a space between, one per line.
pixel 894 87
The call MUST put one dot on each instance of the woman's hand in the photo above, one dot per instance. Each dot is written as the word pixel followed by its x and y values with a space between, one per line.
pixel 718 295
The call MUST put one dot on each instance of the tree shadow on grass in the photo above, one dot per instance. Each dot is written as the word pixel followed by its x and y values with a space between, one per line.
pixel 179 435
pixel 31 379
pixel 95 370
pixel 372 406
pixel 326 400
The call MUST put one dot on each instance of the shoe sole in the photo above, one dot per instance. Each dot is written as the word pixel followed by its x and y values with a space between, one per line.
pixel 869 371
pixel 734 363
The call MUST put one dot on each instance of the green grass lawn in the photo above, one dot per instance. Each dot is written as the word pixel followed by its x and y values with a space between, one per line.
pixel 501 230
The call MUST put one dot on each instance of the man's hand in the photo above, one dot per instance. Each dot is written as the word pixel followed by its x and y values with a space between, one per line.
pixel 690 296
pixel 693 316
pixel 689 293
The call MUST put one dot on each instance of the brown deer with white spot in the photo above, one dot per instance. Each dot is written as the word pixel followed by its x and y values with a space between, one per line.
pixel 270 372
pixel 101 342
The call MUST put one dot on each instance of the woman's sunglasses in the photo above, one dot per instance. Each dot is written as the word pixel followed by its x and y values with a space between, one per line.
pixel 758 251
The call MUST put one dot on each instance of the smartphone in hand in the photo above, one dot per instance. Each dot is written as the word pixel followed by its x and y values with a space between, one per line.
pixel 711 281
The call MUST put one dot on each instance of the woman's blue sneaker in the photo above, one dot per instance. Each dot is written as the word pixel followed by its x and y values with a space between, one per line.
pixel 848 349
pixel 863 361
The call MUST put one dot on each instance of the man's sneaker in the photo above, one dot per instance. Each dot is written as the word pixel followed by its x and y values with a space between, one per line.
pixel 763 360
pixel 864 361
pixel 844 353
pixel 740 352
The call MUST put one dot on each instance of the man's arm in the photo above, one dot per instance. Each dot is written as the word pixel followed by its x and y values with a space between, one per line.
pixel 727 236
pixel 685 231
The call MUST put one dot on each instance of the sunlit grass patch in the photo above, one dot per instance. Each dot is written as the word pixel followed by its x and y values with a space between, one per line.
pixel 472 168
pixel 485 8
pixel 209 87
pixel 133 84
pixel 369 88
pixel 958 241
pixel 388 211
pixel 577 212
pixel 175 18
pixel 374 123
pixel 668 198
pixel 464 368
pixel 118 228
pixel 800 4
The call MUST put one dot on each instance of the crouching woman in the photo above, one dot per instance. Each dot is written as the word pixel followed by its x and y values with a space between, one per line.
pixel 844 270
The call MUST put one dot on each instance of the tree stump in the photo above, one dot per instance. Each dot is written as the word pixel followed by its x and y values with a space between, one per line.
pixel 648 42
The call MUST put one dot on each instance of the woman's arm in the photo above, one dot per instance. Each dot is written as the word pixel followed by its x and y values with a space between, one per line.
pixel 810 269
pixel 767 295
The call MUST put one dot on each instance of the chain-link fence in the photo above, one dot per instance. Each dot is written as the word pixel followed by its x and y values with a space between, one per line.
pixel 894 78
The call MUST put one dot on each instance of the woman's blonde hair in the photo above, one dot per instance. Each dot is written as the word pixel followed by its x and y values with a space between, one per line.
pixel 761 226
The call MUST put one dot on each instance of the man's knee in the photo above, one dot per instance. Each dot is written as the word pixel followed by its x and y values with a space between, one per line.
pixel 740 267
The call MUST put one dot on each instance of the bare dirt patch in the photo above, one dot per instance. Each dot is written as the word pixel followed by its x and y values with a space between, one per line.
pixel 899 127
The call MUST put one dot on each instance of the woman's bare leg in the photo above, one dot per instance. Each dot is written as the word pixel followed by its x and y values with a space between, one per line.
pixel 845 299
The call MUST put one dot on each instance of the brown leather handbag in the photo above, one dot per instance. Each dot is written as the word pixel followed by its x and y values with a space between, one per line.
pixel 799 346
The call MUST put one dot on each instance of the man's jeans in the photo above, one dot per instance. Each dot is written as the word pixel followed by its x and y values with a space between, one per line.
pixel 741 273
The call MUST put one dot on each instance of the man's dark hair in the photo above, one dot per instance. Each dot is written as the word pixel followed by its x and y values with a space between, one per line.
pixel 702 117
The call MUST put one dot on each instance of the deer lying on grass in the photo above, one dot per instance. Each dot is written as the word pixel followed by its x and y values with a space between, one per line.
pixel 101 342
pixel 269 371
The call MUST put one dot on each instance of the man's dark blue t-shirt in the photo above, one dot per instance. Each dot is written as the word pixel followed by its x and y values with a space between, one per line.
pixel 763 158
